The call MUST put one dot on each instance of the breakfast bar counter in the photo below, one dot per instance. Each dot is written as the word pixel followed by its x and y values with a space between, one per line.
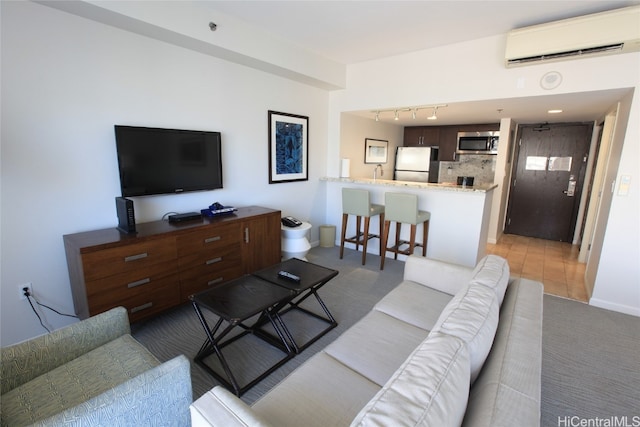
pixel 459 224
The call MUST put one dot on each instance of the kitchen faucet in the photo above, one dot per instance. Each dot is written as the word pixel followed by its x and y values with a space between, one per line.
pixel 375 171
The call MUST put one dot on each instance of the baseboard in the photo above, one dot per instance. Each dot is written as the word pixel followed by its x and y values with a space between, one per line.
pixel 633 311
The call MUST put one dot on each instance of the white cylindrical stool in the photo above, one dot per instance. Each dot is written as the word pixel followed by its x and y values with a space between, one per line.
pixel 294 241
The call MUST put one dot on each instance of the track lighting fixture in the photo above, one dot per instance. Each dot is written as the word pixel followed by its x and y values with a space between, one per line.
pixel 414 111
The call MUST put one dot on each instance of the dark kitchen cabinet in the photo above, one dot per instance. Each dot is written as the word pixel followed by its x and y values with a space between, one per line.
pixel 444 137
pixel 421 136
pixel 448 143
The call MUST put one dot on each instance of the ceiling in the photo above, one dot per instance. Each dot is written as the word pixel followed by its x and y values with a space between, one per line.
pixel 355 31
pixel 576 107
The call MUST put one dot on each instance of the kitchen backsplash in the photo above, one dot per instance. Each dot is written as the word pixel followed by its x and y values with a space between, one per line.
pixel 480 166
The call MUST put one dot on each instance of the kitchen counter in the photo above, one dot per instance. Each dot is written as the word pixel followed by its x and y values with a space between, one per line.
pixel 411 184
pixel 459 225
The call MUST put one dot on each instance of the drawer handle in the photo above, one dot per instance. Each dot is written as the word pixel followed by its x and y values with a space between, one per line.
pixel 212 239
pixel 214 260
pixel 141 307
pixel 135 257
pixel 214 281
pixel 138 283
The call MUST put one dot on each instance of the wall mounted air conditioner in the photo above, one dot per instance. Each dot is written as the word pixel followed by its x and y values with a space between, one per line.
pixel 615 31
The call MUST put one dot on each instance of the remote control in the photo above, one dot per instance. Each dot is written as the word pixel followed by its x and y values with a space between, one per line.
pixel 288 276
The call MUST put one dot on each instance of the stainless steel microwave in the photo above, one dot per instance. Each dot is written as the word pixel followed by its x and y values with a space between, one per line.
pixel 478 142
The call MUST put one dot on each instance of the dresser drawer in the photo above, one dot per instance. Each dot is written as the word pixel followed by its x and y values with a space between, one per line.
pixel 211 258
pixel 210 269
pixel 109 262
pixel 196 281
pixel 120 286
pixel 144 304
pixel 209 238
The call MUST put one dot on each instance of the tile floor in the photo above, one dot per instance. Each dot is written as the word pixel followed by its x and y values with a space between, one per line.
pixel 553 263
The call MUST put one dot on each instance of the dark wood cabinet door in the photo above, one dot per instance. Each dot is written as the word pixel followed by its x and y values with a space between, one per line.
pixel 421 136
pixel 413 136
pixel 261 242
pixel 431 136
pixel 448 143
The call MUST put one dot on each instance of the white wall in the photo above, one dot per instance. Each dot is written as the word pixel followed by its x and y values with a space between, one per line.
pixel 502 179
pixel 354 131
pixel 617 282
pixel 65 82
pixel 474 71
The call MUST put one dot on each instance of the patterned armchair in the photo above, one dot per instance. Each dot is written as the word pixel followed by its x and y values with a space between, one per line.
pixel 92 373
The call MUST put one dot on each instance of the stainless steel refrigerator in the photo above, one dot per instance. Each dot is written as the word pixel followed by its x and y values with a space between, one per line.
pixel 416 164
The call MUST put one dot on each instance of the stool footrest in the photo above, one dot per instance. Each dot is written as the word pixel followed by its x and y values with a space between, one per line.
pixel 404 251
pixel 359 239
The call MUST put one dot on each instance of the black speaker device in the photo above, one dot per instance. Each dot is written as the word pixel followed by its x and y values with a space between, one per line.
pixel 126 217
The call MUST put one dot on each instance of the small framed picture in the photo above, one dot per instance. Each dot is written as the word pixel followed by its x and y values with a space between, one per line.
pixel 288 147
pixel 375 150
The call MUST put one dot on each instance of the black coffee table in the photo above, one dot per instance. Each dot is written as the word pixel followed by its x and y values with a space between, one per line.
pixel 237 302
pixel 312 278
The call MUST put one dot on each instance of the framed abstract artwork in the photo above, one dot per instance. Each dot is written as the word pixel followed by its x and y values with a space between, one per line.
pixel 375 150
pixel 288 147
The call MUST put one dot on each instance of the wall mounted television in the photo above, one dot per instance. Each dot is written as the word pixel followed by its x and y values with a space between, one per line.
pixel 167 161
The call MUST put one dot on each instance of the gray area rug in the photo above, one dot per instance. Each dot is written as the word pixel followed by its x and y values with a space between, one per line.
pixel 590 359
pixel 590 365
pixel 348 296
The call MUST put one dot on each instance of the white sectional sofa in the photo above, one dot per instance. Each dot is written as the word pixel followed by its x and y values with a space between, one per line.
pixel 449 346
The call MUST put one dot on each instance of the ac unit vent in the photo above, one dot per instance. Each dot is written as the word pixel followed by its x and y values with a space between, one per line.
pixel 598 50
pixel 614 31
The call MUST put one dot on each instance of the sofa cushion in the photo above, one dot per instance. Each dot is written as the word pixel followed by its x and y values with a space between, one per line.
pixel 492 271
pixel 429 389
pixel 376 345
pixel 415 304
pixel 508 387
pixel 472 315
pixel 322 392
pixel 92 374
pixel 439 275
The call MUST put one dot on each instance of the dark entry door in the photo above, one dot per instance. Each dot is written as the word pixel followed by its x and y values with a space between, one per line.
pixel 545 191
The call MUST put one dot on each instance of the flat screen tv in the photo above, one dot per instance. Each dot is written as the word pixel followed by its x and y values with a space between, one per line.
pixel 167 161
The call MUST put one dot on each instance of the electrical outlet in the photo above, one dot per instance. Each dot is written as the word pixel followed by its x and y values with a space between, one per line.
pixel 21 290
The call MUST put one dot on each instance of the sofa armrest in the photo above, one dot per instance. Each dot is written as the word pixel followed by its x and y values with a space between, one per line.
pixel 27 360
pixel 159 396
pixel 220 408
pixel 439 275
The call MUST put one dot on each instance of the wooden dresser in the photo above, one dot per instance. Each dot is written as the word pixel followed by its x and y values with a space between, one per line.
pixel 160 266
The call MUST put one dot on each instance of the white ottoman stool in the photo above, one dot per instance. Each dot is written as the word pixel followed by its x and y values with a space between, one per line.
pixel 294 241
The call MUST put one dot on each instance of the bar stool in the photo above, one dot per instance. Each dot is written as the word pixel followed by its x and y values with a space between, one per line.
pixel 403 208
pixel 356 202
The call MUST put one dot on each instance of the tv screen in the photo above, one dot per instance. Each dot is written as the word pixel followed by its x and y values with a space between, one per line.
pixel 162 161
